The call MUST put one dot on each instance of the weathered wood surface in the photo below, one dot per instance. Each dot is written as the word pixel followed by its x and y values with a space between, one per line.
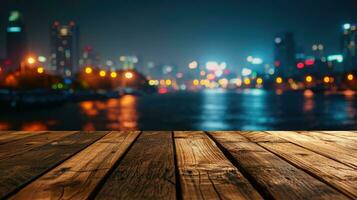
pixel 205 173
pixel 344 134
pixel 17 147
pixel 19 170
pixel 9 136
pixel 178 165
pixel 275 176
pixel 347 144
pixel 146 172
pixel 78 176
pixel 331 172
pixel 328 150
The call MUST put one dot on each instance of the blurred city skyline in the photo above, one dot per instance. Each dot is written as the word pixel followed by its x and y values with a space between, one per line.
pixel 176 32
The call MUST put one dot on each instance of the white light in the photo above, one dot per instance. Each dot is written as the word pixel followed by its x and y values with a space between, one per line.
pixel 347 26
pixel 250 58
pixel 278 40
pixel 257 61
pixel 193 65
pixel 246 72
pixel 42 59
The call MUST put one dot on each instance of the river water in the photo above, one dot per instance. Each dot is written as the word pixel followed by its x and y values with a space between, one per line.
pixel 204 110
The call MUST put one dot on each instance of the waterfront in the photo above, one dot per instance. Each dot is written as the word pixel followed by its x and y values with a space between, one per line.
pixel 204 110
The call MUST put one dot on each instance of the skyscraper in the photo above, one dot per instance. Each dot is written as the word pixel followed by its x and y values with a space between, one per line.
pixel 65 48
pixel 16 42
pixel 349 48
pixel 284 54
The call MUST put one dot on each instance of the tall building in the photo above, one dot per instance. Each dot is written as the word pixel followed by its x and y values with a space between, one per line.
pixel 65 48
pixel 16 42
pixel 285 54
pixel 349 48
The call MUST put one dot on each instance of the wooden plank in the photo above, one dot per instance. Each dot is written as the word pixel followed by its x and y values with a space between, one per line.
pixel 274 175
pixel 205 173
pixel 351 135
pixel 10 136
pixel 349 145
pixel 340 176
pixel 77 177
pixel 17 147
pixel 259 136
pixel 331 151
pixel 146 172
pixel 17 171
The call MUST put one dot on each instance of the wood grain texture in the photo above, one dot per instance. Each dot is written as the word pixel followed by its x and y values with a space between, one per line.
pixel 205 173
pixel 146 172
pixel 19 170
pixel 340 176
pixel 331 151
pixel 347 144
pixel 9 136
pixel 351 135
pixel 274 175
pixel 259 136
pixel 77 177
pixel 17 147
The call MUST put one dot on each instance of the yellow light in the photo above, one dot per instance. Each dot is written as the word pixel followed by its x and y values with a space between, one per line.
pixel 247 81
pixel 279 80
pixel 259 81
pixel 152 82
pixel 350 77
pixel 203 82
pixel 31 60
pixel 88 70
pixel 326 79
pixel 196 82
pixel 113 74
pixel 129 75
pixel 102 73
pixel 168 82
pixel 40 70
pixel 308 79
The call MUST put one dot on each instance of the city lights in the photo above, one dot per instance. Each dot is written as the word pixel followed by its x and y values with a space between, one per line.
pixel 113 74
pixel 88 70
pixel 259 81
pixel 279 80
pixel 300 65
pixel 128 75
pixel 326 79
pixel 102 73
pixel 193 65
pixel 347 26
pixel 247 81
pixel 31 60
pixel 308 79
pixel 42 59
pixel 40 70
pixel 350 77
pixel 338 58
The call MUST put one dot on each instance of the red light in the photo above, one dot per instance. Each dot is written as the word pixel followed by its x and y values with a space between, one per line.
pixel 300 65
pixel 163 91
pixel 277 63
pixel 226 71
pixel 7 62
pixel 310 62
pixel 56 23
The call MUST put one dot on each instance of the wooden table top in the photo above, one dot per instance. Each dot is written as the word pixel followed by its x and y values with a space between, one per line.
pixel 178 165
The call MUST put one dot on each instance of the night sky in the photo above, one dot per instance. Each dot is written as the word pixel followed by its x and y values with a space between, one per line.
pixel 178 31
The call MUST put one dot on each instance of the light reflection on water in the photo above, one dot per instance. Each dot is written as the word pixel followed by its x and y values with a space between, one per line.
pixel 207 110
